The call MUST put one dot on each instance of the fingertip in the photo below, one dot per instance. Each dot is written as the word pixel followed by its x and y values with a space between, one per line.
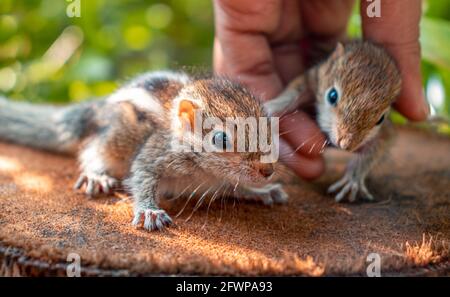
pixel 313 169
pixel 403 44
pixel 218 59
pixel 411 102
pixel 413 113
pixel 306 168
pixel 234 58
pixel 303 134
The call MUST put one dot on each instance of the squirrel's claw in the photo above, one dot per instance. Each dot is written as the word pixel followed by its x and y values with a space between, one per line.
pixel 277 194
pixel 96 183
pixel 350 187
pixel 268 195
pixel 153 219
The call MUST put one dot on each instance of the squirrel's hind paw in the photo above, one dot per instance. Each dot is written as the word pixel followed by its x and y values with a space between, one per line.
pixel 278 194
pixel 151 219
pixel 268 195
pixel 351 187
pixel 96 183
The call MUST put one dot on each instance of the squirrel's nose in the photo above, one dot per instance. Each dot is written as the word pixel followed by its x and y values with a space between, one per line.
pixel 266 169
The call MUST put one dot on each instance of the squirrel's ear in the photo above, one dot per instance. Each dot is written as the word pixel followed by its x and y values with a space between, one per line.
pixel 338 51
pixel 186 113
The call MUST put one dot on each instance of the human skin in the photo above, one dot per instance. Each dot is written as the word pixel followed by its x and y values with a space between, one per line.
pixel 259 43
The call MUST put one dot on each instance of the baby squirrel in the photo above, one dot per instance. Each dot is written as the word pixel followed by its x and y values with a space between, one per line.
pixel 353 90
pixel 132 135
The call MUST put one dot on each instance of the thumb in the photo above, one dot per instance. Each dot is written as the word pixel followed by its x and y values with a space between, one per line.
pixel 411 102
pixel 397 29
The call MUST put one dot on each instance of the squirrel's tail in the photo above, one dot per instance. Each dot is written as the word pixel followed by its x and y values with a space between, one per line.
pixel 57 129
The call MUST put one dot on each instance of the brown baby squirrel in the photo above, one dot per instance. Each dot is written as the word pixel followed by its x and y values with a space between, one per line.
pixel 353 90
pixel 134 136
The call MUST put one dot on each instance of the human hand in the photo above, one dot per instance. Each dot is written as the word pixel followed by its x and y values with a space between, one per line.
pixel 259 43
pixel 398 31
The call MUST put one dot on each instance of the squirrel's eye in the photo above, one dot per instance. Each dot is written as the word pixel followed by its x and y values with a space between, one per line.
pixel 220 140
pixel 333 96
pixel 380 120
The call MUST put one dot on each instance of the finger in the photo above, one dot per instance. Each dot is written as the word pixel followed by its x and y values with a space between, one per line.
pixel 302 134
pixel 258 72
pixel 288 61
pixel 326 24
pixel 304 167
pixel 403 44
pixel 241 47
pixel 286 42
pixel 327 19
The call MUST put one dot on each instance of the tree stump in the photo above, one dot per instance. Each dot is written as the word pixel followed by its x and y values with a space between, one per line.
pixel 43 221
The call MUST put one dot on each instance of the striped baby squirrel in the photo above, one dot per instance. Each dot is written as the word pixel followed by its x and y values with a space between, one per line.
pixel 132 135
pixel 353 90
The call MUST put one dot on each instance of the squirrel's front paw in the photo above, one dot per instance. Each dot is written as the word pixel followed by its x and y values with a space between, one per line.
pixel 350 186
pixel 153 219
pixel 96 183
pixel 278 194
pixel 269 194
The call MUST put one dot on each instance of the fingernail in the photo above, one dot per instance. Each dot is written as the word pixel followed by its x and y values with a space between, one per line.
pixel 425 106
pixel 426 109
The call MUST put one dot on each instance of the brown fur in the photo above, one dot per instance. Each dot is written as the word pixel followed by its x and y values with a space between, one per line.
pixel 134 136
pixel 367 81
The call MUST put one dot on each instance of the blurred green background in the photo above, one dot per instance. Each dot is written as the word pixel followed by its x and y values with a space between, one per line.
pixel 47 56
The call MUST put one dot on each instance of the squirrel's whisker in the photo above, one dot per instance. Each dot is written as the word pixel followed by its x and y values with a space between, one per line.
pixel 189 199
pixel 213 197
pixel 199 203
